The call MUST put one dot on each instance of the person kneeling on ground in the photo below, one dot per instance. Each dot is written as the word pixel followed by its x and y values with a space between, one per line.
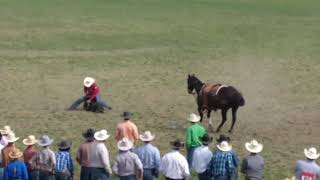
pixel 91 97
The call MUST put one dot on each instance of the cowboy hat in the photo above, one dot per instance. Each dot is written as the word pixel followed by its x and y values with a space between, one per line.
pixel 63 145
pixel 125 144
pixel 254 146
pixel 30 140
pixel 224 146
pixel 206 139
pixel 88 81
pixel 311 153
pixel 15 153
pixel 89 134
pixel 12 137
pixel 194 118
pixel 101 135
pixel 45 141
pixel 223 137
pixel 177 144
pixel 126 115
pixel 146 136
pixel 5 130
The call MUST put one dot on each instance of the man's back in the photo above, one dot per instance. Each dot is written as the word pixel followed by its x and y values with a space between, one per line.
pixel 127 129
pixel 306 166
pixel 174 165
pixel 149 156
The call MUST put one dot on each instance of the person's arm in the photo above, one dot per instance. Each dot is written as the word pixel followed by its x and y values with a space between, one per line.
pixel 230 165
pixel 139 166
pixel 104 155
pixel 185 167
pixel 25 172
pixel 135 133
pixel 157 158
pixel 188 138
pixel 3 158
pixel 117 134
pixel 244 166
pixel 70 165
pixel 115 168
pixel 53 161
pixel 78 156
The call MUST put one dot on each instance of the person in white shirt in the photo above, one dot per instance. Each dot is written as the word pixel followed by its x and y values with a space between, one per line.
pixel 201 158
pixel 174 166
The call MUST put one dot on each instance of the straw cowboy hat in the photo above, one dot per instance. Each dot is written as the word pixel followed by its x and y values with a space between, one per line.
pixel 12 137
pixel 15 153
pixel 45 141
pixel 125 144
pixel 63 145
pixel 224 146
pixel 5 130
pixel 194 118
pixel 146 136
pixel 88 81
pixel 311 153
pixel 30 140
pixel 254 146
pixel 101 135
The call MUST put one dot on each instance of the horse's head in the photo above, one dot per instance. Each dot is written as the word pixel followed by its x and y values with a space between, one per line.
pixel 192 80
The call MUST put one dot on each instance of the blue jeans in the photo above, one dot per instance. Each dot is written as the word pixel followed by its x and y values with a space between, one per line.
pixel 148 174
pixel 204 176
pixel 1 173
pixel 131 177
pixel 190 152
pixel 90 173
pixel 221 178
pixel 77 103
pixel 33 175
pixel 44 175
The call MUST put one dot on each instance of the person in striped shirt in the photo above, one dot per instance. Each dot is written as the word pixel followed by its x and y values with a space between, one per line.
pixel 64 162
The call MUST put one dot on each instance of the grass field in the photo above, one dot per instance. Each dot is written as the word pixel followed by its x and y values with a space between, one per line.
pixel 140 52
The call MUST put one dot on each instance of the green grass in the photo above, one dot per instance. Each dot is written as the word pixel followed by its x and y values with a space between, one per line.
pixel 140 52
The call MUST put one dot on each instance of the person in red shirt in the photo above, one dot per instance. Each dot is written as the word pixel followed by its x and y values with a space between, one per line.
pixel 92 95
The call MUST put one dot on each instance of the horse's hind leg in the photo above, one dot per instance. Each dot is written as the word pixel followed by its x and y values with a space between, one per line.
pixel 209 119
pixel 224 118
pixel 234 117
pixel 200 113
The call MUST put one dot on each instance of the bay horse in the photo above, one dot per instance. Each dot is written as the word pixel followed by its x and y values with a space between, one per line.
pixel 225 98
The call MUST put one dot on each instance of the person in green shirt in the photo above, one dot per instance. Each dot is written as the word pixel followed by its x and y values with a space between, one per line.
pixel 194 135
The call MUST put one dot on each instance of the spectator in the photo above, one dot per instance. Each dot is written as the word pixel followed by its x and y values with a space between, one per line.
pixel 221 166
pixel 16 169
pixel 1 147
pixel 84 154
pixel 28 154
pixel 201 158
pixel 174 165
pixel 194 134
pixel 308 168
pixel 11 138
pixel 64 166
pixel 92 94
pixel 127 129
pixel 235 158
pixel 252 165
pixel 5 131
pixel 127 164
pixel 149 156
pixel 45 161
pixel 99 158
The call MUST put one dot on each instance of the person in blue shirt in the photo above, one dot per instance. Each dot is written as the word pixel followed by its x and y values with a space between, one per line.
pixel 149 156
pixel 16 169
pixel 64 162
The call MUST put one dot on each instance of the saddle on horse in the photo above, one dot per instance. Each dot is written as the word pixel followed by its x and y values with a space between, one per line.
pixel 207 89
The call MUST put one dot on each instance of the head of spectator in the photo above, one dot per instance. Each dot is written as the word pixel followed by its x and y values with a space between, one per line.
pixel 206 139
pixel 30 140
pixel 311 154
pixel 11 138
pixel 64 145
pixel 101 136
pixel 45 141
pixel 254 147
pixel 177 144
pixel 224 146
pixel 6 130
pixel 146 137
pixel 125 145
pixel 89 134
pixel 15 154
pixel 126 116
pixel 222 138
pixel 193 118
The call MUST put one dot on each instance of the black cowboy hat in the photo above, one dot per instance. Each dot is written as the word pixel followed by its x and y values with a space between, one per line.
pixel 223 138
pixel 206 139
pixel 126 115
pixel 64 144
pixel 177 144
pixel 89 134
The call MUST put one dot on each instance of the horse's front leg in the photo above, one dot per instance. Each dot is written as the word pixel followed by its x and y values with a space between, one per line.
pixel 210 122
pixel 234 117
pixel 224 118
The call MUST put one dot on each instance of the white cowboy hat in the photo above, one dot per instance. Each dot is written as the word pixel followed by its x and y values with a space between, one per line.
pixel 45 141
pixel 146 136
pixel 30 140
pixel 125 144
pixel 254 146
pixel 15 153
pixel 101 135
pixel 12 137
pixel 88 81
pixel 311 153
pixel 5 130
pixel 193 118
pixel 224 146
